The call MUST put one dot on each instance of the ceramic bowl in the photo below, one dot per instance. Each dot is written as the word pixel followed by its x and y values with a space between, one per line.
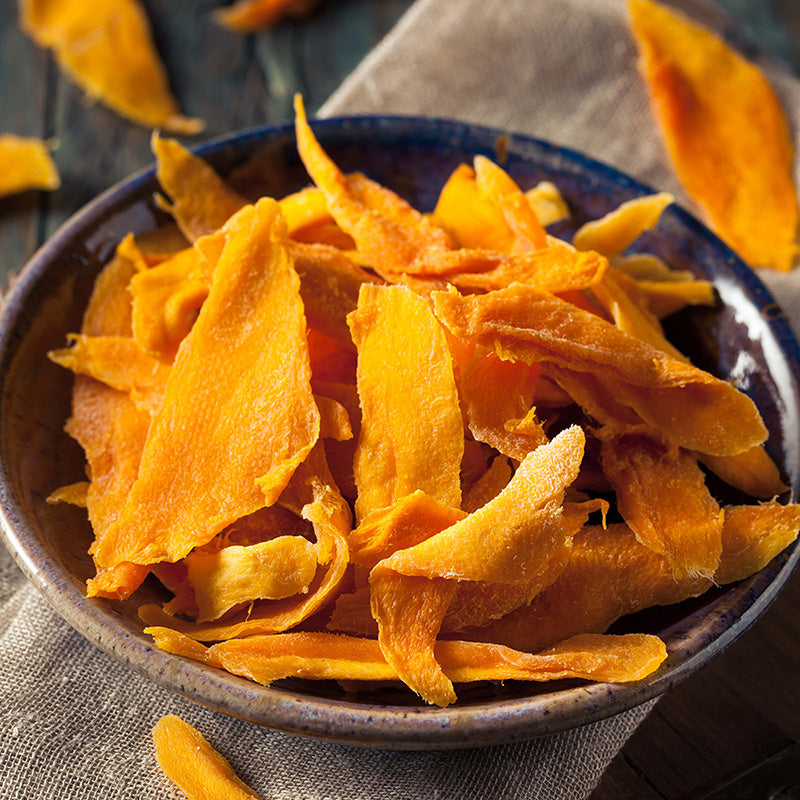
pixel 744 338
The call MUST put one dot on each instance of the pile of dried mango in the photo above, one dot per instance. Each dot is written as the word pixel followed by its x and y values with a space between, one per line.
pixel 356 441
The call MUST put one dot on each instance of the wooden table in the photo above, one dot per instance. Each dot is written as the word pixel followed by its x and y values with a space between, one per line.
pixel 731 731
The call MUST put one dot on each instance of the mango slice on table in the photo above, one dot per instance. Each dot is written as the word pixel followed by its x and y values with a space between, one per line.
pixel 725 132
pixel 110 54
pixel 25 163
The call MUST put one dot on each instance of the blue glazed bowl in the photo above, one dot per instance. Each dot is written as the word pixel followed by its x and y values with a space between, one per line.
pixel 744 338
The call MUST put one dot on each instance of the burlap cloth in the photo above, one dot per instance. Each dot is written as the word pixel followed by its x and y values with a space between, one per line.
pixel 75 724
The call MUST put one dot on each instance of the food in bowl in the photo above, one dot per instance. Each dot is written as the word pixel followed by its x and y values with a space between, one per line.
pixel 359 442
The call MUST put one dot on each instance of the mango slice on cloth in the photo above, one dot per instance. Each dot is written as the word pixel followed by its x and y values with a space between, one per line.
pixel 201 201
pixel 706 98
pixel 663 497
pixel 193 765
pixel 238 414
pixel 511 540
pixel 25 163
pixel 110 54
pixel 412 435
pixel 688 406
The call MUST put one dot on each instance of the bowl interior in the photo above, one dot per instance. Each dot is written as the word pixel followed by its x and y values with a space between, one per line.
pixel 743 338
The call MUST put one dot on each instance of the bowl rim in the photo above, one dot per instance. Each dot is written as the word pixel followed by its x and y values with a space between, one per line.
pixel 386 726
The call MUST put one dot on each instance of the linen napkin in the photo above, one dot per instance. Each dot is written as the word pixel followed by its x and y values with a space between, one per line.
pixel 75 724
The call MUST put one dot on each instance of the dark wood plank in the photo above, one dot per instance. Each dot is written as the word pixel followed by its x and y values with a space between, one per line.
pixel 622 781
pixel 23 98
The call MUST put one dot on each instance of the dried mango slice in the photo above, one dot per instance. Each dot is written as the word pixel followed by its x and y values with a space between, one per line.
pixel 166 301
pixel 247 16
pixel 663 498
pixel 511 540
pixel 556 268
pixel 334 419
pixel 320 656
pixel 385 228
pixel 665 298
pixel 193 765
pixel 412 434
pixel 493 392
pixel 329 286
pixel 306 209
pixel 405 523
pixel 627 306
pixel 469 216
pixel 235 388
pixel 110 54
pixel 313 492
pixel 25 163
pixel 547 203
pixel 614 232
pixel 704 95
pixel 201 201
pixel 488 486
pixel 689 406
pixel 270 570
pixel 502 191
pixel 752 471
pixel 73 493
pixel 118 362
pixel 610 574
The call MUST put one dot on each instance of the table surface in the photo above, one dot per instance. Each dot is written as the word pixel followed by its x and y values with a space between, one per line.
pixel 732 730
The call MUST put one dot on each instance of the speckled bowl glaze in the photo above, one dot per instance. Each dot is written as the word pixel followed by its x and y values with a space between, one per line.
pixel 744 338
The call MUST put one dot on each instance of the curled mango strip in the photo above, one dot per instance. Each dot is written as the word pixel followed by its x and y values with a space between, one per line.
pixel 511 540
pixel 468 215
pixel 334 419
pixel 703 94
pixel 412 435
pixel 610 575
pixel 329 285
pixel 488 485
pixel 665 298
pixel 627 306
pixel 547 203
pixel 523 323
pixel 494 392
pixel 611 234
pixel 385 228
pixel 110 54
pixel 663 498
pixel 752 471
pixel 73 493
pixel 501 190
pixel 556 267
pixel 193 765
pixel 270 570
pixel 25 163
pixel 206 415
pixel 118 362
pixel 320 656
pixel 166 301
pixel 247 16
pixel 201 201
